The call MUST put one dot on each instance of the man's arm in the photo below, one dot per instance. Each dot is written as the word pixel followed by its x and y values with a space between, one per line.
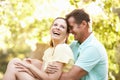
pixel 74 74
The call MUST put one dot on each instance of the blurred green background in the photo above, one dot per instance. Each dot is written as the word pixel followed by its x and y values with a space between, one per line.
pixel 25 23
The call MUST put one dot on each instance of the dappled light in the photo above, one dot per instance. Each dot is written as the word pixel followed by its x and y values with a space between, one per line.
pixel 25 24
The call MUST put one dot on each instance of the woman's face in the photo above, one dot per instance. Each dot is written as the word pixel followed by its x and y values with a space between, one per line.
pixel 59 30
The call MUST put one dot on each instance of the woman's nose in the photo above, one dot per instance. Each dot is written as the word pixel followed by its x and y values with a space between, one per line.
pixel 57 27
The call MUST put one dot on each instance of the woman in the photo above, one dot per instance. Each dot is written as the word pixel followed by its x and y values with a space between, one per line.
pixel 58 54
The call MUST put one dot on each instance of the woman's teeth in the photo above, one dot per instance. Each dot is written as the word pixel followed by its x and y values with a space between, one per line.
pixel 56 33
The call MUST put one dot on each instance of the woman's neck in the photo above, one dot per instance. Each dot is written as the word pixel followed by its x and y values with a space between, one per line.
pixel 55 43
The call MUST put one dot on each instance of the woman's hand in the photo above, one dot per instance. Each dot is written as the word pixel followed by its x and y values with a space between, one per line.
pixel 23 64
pixel 23 67
pixel 29 60
pixel 37 63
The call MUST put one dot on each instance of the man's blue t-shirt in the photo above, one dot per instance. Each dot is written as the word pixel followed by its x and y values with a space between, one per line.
pixel 92 57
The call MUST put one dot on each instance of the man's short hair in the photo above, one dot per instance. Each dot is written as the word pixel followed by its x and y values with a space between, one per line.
pixel 79 15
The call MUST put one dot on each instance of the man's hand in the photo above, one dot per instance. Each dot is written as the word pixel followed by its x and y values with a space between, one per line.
pixel 51 68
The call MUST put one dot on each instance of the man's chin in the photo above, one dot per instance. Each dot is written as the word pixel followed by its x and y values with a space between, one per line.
pixel 75 39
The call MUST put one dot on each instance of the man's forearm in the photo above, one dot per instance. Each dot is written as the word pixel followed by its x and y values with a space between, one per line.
pixel 75 73
pixel 66 76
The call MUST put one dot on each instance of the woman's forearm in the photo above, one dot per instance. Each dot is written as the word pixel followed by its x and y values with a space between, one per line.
pixel 26 67
pixel 38 73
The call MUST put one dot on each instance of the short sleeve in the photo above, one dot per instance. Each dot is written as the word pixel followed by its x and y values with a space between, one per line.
pixel 88 58
pixel 63 53
pixel 47 54
pixel 44 56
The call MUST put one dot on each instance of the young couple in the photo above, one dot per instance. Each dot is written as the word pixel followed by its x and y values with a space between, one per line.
pixel 85 59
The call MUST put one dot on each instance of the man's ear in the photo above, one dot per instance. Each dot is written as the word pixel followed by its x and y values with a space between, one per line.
pixel 84 23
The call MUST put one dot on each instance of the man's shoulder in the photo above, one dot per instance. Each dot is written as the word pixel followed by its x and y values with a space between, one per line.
pixel 96 46
pixel 74 43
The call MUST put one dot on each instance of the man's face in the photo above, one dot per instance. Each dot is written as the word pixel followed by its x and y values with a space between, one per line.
pixel 75 29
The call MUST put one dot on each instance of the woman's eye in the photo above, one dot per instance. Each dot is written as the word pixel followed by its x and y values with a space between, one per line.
pixel 62 26
pixel 55 25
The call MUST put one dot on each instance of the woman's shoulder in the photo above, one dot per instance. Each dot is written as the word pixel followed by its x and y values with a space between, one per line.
pixel 63 48
pixel 48 49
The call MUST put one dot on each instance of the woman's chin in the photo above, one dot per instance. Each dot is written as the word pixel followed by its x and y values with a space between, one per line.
pixel 55 38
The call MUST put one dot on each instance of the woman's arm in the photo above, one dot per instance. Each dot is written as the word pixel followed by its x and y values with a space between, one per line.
pixel 40 74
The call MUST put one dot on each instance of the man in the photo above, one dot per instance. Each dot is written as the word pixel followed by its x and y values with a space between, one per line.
pixel 90 55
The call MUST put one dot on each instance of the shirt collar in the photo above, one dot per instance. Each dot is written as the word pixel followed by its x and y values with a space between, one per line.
pixel 90 37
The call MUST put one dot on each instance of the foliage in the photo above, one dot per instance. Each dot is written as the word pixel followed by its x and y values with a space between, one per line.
pixel 19 29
